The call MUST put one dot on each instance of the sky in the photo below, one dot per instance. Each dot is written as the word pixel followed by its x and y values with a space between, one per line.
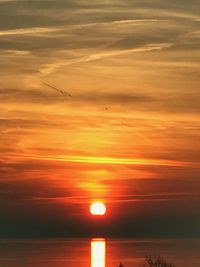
pixel 124 127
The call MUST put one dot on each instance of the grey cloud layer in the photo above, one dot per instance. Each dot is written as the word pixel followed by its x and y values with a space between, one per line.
pixel 168 102
pixel 56 33
pixel 37 38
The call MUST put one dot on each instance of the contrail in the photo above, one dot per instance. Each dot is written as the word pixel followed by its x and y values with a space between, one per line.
pixel 57 89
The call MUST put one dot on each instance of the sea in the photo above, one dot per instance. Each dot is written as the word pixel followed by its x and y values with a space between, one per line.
pixel 97 252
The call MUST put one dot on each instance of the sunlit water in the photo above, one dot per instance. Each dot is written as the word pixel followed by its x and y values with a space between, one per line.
pixel 96 252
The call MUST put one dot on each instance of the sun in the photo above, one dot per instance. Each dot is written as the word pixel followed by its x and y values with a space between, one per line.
pixel 98 208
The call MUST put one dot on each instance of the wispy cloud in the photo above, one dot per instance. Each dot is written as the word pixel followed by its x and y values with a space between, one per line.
pixel 109 160
pixel 27 31
pixel 50 68
pixel 162 197
pixel 16 52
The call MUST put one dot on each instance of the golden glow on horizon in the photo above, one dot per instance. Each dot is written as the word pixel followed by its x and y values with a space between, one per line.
pixel 108 160
pixel 98 253
pixel 98 208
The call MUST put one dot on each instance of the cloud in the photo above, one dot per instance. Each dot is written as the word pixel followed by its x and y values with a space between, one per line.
pixel 167 103
pixel 52 67
pixel 27 31
pixel 32 188
pixel 49 96
pixel 54 41
pixel 109 160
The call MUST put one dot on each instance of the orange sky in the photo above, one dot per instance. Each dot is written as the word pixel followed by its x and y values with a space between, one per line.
pixel 130 131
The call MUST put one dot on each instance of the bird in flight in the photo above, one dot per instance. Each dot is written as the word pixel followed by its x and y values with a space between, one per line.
pixel 57 89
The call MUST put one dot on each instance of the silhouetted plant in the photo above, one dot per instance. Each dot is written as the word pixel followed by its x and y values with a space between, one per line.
pixel 154 262
pixel 157 262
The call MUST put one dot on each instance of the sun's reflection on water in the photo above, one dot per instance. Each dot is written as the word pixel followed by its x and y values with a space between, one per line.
pixel 98 253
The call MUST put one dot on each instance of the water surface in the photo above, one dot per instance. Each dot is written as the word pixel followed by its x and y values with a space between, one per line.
pixel 96 252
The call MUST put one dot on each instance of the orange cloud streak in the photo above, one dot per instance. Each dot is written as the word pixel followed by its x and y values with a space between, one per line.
pixel 110 160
